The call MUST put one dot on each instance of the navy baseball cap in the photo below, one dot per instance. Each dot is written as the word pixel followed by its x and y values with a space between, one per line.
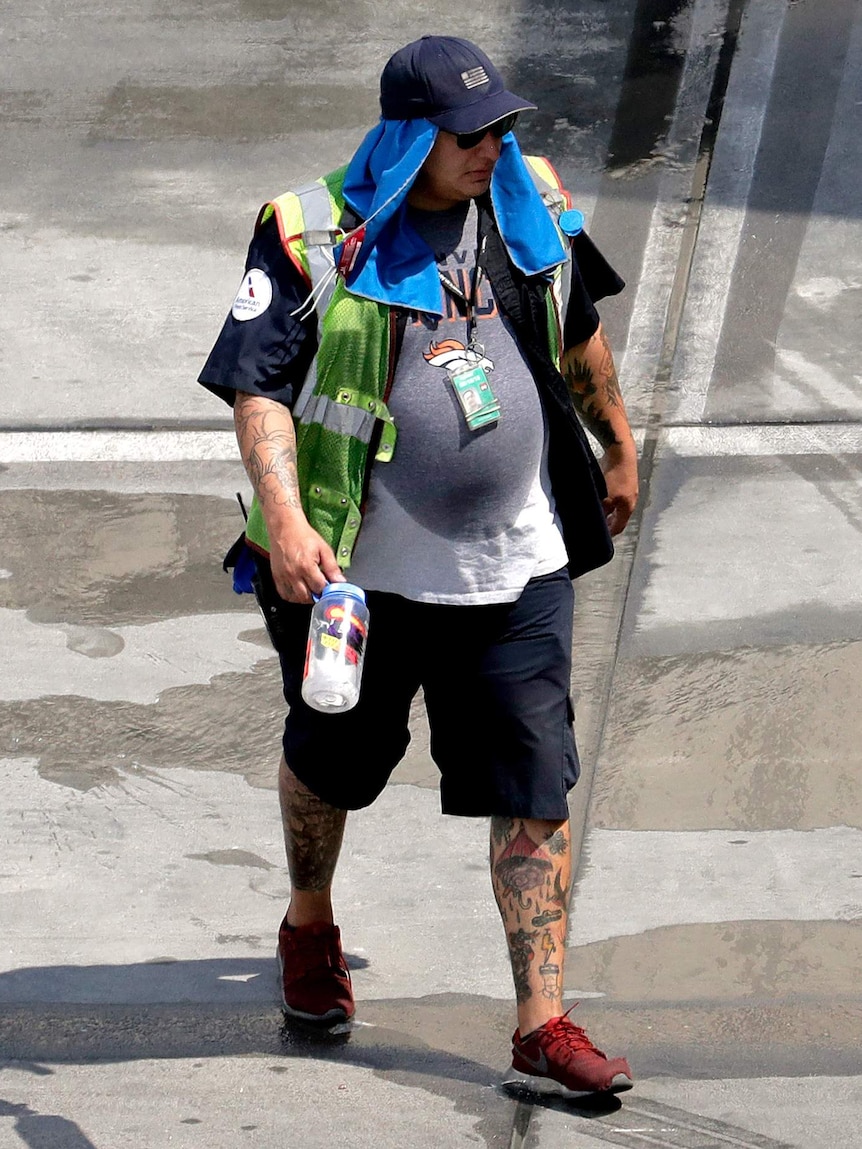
pixel 448 81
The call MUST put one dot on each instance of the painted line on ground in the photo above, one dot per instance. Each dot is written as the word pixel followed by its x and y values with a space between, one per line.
pixel 764 439
pixel 642 1122
pixel 105 917
pixel 117 446
pixel 220 446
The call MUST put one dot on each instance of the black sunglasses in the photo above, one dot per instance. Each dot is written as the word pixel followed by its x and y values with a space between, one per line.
pixel 467 140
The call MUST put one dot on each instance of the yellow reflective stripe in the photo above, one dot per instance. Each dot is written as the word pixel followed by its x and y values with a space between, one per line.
pixel 544 171
pixel 556 199
pixel 288 210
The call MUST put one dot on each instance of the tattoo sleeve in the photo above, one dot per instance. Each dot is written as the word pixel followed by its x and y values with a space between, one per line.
pixel 313 833
pixel 592 378
pixel 531 885
pixel 267 443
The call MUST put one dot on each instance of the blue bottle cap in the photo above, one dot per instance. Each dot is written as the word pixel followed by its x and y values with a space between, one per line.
pixel 571 222
pixel 347 588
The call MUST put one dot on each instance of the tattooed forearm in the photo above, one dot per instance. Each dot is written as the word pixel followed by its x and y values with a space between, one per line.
pixel 593 384
pixel 313 831
pixel 264 430
pixel 609 383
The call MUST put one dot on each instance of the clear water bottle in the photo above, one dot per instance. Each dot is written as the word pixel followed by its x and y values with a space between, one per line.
pixel 336 648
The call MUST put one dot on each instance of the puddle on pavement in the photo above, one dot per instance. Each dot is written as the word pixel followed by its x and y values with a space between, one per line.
pixel 91 561
pixel 722 962
pixel 103 559
pixel 756 739
pixel 94 560
pixel 233 724
pixel 233 858
pixel 325 12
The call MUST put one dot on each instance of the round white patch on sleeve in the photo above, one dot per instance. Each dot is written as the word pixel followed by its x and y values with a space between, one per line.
pixel 254 295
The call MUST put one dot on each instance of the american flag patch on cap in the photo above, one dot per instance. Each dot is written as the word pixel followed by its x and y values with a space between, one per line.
pixel 475 77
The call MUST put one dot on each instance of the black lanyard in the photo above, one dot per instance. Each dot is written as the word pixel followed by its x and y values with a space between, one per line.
pixel 470 301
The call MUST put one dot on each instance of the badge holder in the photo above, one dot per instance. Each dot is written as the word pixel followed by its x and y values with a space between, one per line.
pixel 474 393
pixel 470 381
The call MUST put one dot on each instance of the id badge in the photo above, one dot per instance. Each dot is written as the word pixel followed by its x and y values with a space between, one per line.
pixel 475 396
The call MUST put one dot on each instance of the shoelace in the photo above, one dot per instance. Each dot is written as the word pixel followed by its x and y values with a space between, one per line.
pixel 563 1032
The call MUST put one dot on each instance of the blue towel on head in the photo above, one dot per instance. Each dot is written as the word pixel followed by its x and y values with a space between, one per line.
pixel 394 265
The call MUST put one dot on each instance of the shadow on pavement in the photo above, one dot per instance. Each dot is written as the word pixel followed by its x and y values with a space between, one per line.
pixel 449 1045
pixel 45 1130
pixel 224 1007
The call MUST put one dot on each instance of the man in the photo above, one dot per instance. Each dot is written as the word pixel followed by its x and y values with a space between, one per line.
pixel 411 419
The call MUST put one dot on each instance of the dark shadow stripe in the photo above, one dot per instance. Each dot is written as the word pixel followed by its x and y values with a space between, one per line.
pixel 654 67
pixel 796 134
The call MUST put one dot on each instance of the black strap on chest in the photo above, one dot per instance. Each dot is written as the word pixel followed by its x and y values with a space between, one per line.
pixel 576 477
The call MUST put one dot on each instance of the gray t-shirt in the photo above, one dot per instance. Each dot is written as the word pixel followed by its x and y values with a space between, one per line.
pixel 459 516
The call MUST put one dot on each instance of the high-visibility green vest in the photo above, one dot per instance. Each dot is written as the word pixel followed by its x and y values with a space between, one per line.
pixel 340 415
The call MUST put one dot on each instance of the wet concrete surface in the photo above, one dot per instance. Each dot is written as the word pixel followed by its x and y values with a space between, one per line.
pixel 740 739
pixel 105 559
pixel 715 932
pixel 727 963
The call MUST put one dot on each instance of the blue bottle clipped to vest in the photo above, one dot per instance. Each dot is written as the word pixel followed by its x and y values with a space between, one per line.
pixel 336 648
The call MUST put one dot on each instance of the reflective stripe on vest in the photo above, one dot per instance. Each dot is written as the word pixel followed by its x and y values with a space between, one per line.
pixel 318 236
pixel 557 200
pixel 308 225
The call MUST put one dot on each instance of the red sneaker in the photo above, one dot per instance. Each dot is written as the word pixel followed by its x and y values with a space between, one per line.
pixel 315 980
pixel 558 1053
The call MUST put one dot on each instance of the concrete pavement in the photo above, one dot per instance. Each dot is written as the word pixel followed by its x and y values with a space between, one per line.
pixel 715 931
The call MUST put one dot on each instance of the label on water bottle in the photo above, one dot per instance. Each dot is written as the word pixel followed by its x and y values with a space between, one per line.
pixel 345 627
pixel 337 634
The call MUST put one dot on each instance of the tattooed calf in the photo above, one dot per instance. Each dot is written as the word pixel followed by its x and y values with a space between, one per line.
pixel 546 917
pixel 558 843
pixel 549 971
pixel 520 868
pixel 521 951
pixel 560 896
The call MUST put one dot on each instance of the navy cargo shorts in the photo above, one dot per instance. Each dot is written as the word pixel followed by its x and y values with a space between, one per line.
pixel 496 686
